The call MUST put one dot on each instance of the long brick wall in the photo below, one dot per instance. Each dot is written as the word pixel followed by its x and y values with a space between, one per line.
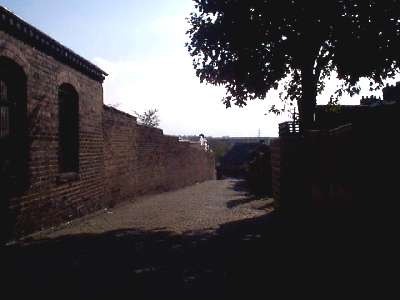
pixel 141 160
pixel 118 159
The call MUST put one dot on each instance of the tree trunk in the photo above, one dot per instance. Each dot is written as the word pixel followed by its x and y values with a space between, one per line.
pixel 307 102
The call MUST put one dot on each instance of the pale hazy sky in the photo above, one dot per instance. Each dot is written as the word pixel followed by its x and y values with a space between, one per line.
pixel 141 45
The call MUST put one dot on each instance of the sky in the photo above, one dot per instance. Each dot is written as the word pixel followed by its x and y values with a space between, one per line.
pixel 140 44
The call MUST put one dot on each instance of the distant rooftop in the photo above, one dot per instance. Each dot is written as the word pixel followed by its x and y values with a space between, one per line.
pixel 21 30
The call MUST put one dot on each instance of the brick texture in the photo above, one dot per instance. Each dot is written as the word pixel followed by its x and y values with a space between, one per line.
pixel 118 159
pixel 141 160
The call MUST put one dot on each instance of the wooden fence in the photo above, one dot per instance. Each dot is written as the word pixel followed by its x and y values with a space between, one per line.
pixel 351 166
pixel 276 169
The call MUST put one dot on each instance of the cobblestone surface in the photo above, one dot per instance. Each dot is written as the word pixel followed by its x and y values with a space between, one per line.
pixel 200 207
pixel 136 251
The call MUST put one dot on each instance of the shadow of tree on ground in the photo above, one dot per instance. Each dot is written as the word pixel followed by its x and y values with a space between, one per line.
pixel 248 197
pixel 249 258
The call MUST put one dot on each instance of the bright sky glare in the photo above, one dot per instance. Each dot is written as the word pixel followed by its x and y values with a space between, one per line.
pixel 141 45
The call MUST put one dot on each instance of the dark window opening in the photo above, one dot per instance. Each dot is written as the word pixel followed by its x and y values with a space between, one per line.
pixel 5 108
pixel 68 114
pixel 14 142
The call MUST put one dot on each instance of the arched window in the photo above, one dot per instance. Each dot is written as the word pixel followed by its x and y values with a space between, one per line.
pixel 68 115
pixel 14 144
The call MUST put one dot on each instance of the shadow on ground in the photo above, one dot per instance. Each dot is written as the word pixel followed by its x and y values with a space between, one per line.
pixel 273 254
pixel 265 202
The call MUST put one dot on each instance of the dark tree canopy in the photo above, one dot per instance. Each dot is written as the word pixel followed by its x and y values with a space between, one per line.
pixel 250 46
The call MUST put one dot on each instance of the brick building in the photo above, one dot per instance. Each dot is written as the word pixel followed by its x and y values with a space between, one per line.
pixel 63 154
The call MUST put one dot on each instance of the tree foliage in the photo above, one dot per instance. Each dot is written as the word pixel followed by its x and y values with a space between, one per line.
pixel 252 46
pixel 149 118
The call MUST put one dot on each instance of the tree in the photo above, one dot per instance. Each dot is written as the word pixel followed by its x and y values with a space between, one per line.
pixel 149 118
pixel 252 46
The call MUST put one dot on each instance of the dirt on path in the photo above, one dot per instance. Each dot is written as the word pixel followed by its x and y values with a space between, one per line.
pixel 201 207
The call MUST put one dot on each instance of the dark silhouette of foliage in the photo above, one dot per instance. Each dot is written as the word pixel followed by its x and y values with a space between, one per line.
pixel 250 47
pixel 235 161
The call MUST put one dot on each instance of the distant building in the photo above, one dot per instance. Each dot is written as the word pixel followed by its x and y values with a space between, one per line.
pixel 371 101
pixel 372 106
pixel 391 93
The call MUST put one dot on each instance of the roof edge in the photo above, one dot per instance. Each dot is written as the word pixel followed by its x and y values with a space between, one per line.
pixel 22 30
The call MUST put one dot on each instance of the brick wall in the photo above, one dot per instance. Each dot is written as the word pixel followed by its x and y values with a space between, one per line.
pixel 141 160
pixel 47 201
pixel 120 155
pixel 118 159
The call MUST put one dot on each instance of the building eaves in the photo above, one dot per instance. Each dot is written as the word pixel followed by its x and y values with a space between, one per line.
pixel 23 31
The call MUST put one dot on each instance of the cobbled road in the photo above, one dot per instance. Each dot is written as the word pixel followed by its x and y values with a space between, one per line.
pixel 207 241
pixel 201 207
